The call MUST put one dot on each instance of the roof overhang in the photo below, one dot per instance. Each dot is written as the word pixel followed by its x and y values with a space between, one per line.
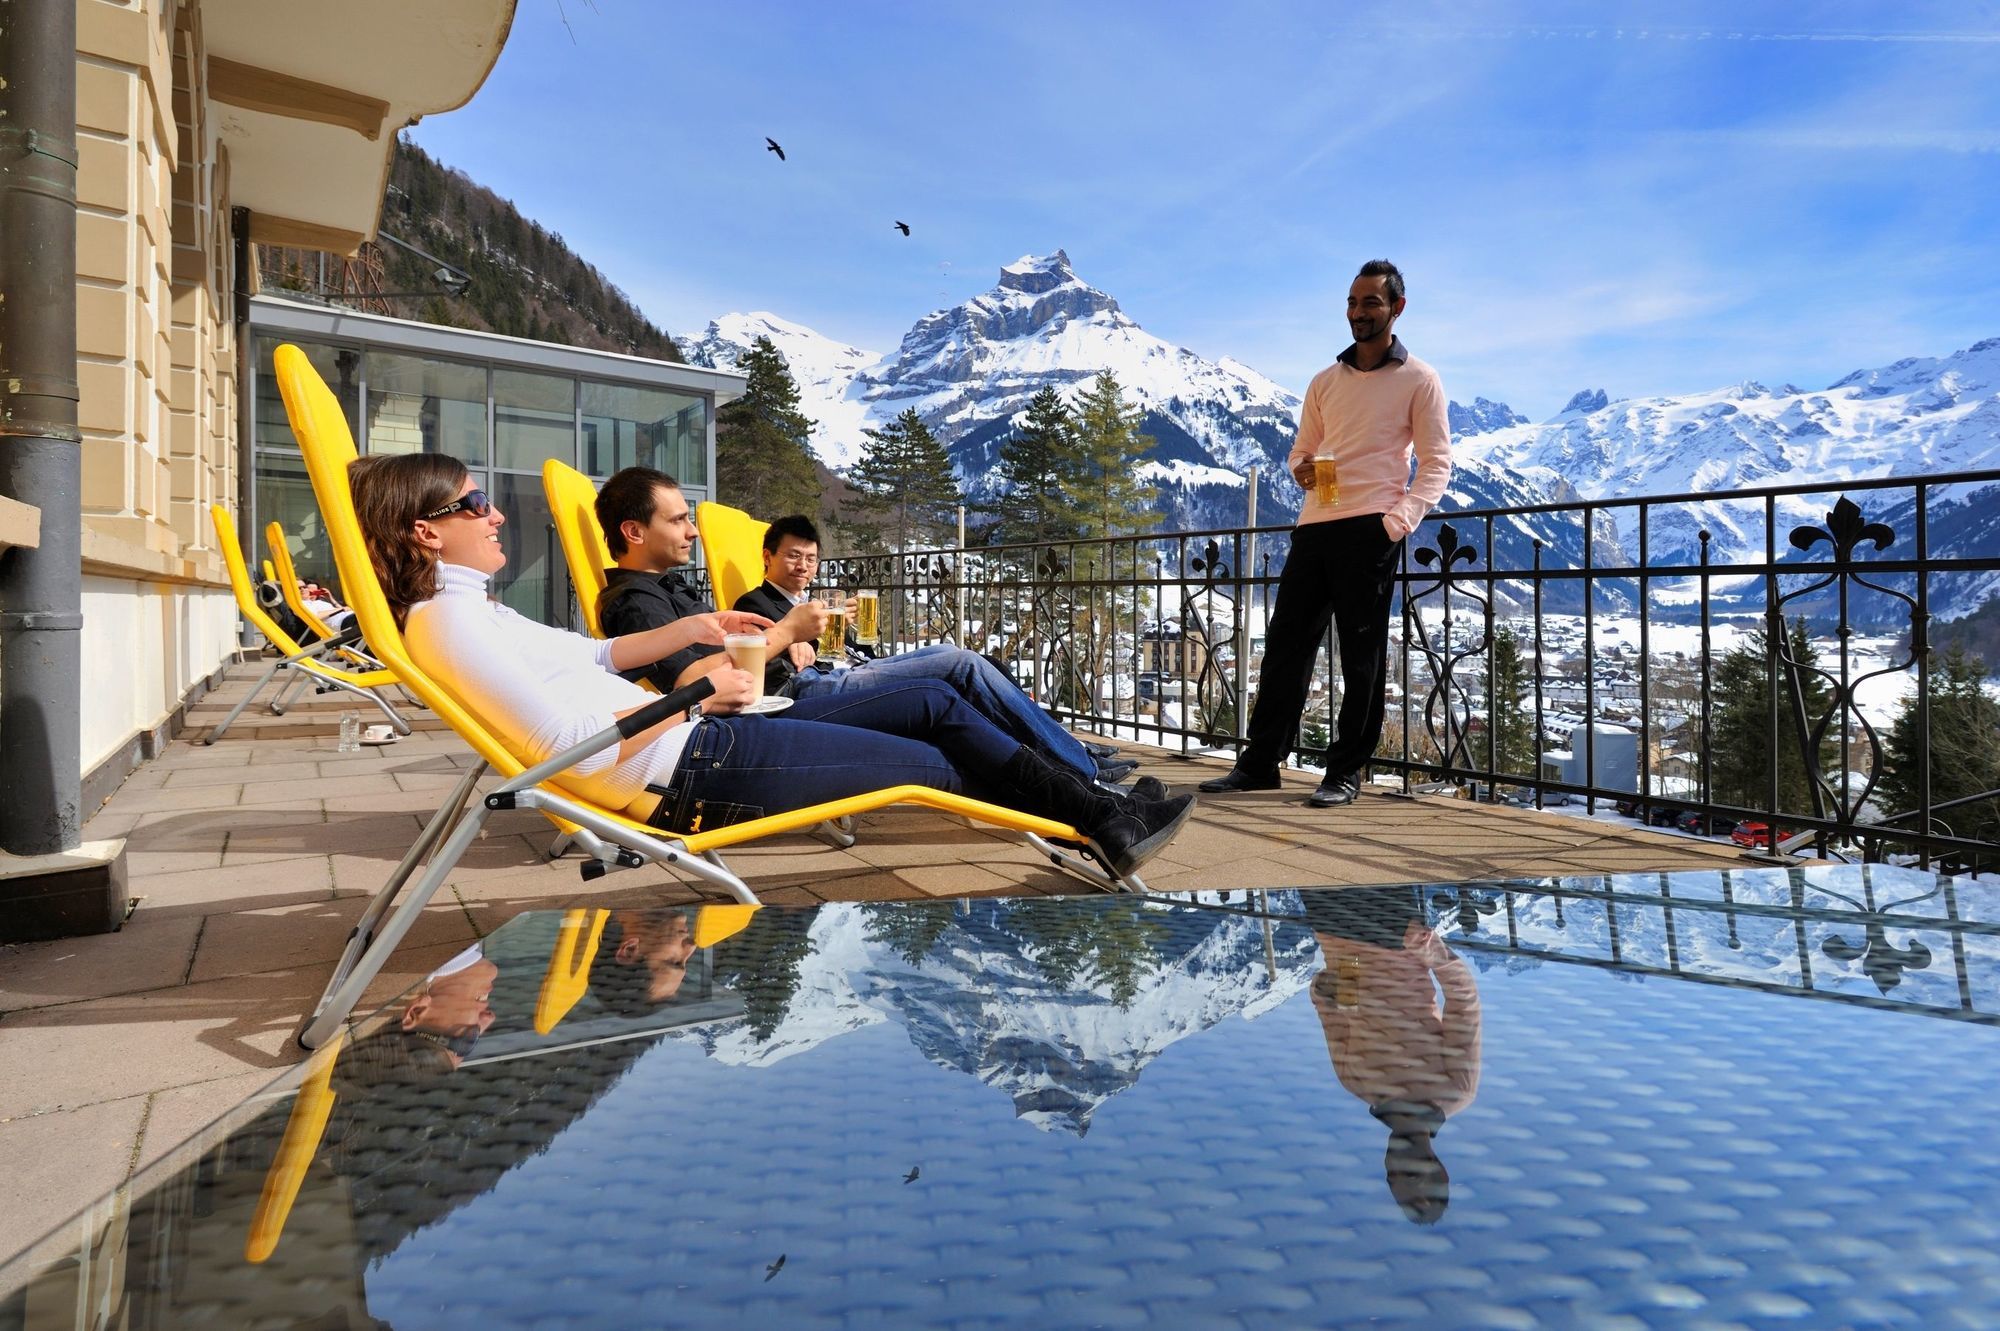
pixel 308 99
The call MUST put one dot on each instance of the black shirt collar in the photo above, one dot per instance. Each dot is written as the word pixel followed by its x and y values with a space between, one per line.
pixel 1397 353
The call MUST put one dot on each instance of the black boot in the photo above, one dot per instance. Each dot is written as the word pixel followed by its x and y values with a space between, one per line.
pixel 1123 831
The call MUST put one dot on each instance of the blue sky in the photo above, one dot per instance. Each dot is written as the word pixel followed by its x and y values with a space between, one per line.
pixel 1703 194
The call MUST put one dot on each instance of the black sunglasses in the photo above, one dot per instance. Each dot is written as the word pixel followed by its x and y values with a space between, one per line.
pixel 474 502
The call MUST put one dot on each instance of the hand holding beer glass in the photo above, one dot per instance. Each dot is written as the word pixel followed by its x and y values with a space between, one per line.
pixel 833 635
pixel 867 618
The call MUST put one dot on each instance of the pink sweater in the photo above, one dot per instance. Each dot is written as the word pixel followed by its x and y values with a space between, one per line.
pixel 1372 422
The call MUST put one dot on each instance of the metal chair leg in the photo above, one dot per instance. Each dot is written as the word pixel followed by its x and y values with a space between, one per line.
pixel 367 949
pixel 248 698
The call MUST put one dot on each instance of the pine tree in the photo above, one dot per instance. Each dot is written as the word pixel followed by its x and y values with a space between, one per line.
pixel 1964 750
pixel 761 459
pixel 909 489
pixel 1104 489
pixel 1109 500
pixel 1036 463
pixel 1513 727
pixel 1740 754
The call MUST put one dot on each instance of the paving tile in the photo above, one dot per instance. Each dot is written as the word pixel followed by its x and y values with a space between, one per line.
pixel 289 937
pixel 183 756
pixel 130 799
pixel 55 1164
pixel 953 880
pixel 148 953
pixel 879 885
pixel 198 892
pixel 175 1116
pixel 223 776
pixel 258 792
pixel 339 834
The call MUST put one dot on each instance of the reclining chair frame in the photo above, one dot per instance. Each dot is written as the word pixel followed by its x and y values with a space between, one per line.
pixel 306 663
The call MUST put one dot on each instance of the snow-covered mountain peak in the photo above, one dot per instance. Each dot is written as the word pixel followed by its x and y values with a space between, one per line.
pixel 1482 417
pixel 1586 400
pixel 1037 273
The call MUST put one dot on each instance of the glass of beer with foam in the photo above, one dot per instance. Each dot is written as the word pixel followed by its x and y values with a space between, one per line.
pixel 1326 480
pixel 832 645
pixel 747 651
pixel 867 618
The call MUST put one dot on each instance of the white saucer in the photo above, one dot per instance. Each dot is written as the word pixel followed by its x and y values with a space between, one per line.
pixel 766 706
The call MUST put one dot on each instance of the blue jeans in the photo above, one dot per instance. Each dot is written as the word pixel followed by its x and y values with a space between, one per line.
pixel 846 743
pixel 974 678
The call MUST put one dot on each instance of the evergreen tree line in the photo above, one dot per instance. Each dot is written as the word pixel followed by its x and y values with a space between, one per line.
pixel 1067 472
pixel 1963 749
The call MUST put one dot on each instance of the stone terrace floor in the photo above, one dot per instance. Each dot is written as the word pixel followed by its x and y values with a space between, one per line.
pixel 250 861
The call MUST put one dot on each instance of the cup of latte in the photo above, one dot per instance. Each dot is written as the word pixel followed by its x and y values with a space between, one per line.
pixel 746 651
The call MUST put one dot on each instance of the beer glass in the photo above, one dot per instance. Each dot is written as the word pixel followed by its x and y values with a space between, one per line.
pixel 746 651
pixel 832 647
pixel 867 618
pixel 1326 480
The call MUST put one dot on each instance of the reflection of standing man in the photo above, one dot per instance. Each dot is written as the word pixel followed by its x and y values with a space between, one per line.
pixel 1412 1064
pixel 1369 412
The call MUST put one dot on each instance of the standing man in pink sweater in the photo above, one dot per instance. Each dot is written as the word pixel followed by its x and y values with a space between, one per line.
pixel 1369 412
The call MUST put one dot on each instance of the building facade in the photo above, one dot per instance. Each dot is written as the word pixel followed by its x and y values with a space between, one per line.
pixel 204 127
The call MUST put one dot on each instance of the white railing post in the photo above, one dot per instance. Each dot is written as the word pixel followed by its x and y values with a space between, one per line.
pixel 1243 613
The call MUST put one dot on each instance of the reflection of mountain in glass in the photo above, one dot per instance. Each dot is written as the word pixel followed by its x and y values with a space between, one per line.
pixel 1057 1004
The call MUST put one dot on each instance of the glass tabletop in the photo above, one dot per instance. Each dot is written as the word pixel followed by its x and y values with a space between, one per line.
pixel 1746 1098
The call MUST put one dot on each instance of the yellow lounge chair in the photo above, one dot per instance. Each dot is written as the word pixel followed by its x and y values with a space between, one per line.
pixel 732 544
pixel 611 839
pixel 307 662
pixel 573 508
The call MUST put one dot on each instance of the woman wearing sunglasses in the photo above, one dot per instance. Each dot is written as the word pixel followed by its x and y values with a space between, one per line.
pixel 434 539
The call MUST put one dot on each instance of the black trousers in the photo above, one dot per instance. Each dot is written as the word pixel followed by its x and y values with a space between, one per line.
pixel 1344 572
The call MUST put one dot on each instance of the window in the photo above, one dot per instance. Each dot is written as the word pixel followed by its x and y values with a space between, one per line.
pixel 626 426
pixel 534 419
pixel 429 406
pixel 283 494
pixel 534 581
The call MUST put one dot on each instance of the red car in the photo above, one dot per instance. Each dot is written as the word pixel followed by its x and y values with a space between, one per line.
pixel 1753 836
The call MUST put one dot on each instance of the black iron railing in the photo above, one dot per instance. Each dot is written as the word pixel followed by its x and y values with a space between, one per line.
pixel 1570 608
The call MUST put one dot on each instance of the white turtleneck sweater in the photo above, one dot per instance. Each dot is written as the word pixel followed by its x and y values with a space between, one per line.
pixel 539 689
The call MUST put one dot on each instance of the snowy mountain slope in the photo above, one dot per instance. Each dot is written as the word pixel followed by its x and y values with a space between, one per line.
pixel 1920 416
pixel 823 368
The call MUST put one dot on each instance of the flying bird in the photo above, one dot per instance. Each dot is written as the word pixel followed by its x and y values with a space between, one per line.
pixel 903 227
pixel 771 146
pixel 774 1268
pixel 911 1177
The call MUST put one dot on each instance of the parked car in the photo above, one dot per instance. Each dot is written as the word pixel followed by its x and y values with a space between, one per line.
pixel 1753 835
pixel 1705 824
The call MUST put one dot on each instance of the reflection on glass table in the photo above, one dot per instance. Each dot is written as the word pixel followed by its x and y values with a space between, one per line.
pixel 1656 1100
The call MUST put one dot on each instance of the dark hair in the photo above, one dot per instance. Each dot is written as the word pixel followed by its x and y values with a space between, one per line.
pixel 796 525
pixel 1383 268
pixel 392 491
pixel 630 496
pixel 624 989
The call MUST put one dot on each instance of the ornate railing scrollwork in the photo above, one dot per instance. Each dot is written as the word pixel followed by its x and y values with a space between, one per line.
pixel 1845 530
pixel 1448 705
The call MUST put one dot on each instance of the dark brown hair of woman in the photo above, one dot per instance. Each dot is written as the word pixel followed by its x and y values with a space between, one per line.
pixel 391 492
